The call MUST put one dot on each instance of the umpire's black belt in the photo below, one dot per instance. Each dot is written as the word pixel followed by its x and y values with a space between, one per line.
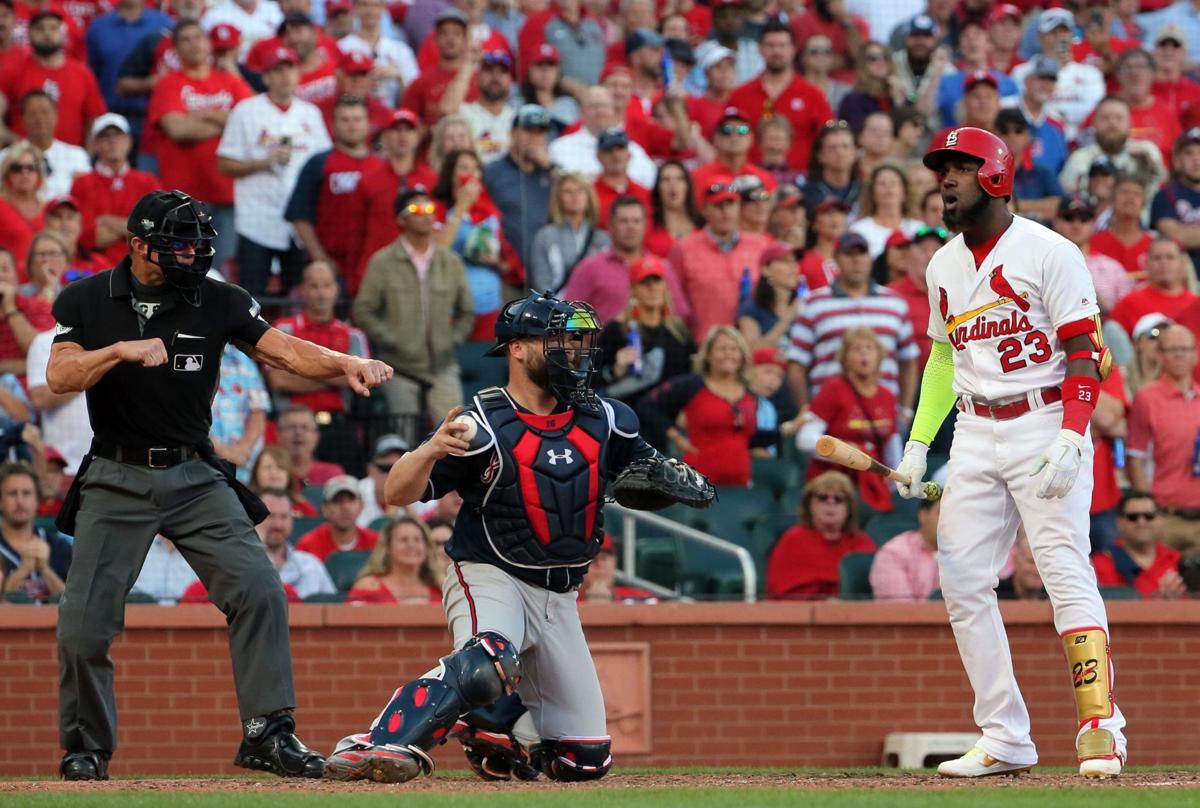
pixel 155 457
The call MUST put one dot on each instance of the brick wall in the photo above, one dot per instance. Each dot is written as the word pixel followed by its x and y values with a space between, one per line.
pixel 779 684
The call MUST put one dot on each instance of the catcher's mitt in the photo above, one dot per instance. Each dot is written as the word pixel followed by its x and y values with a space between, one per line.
pixel 654 483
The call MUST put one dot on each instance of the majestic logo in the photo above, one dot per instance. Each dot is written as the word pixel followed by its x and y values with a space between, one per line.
pixel 565 456
pixel 189 362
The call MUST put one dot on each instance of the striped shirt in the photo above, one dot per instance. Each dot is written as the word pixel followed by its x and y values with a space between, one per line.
pixel 829 313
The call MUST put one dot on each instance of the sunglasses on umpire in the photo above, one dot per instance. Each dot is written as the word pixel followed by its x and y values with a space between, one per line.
pixel 414 208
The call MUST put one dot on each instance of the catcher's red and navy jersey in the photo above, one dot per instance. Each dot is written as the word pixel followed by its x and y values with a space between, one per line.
pixel 533 486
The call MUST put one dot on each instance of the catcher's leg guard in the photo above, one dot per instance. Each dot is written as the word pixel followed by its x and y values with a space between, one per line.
pixel 573 759
pixel 1089 656
pixel 488 741
pixel 421 713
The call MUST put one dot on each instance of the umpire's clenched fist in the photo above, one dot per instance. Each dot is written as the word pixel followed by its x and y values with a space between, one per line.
pixel 149 353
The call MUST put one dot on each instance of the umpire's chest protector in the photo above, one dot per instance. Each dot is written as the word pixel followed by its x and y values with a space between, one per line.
pixel 543 507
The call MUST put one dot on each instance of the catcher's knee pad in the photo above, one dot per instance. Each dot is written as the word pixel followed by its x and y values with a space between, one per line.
pixel 487 668
pixel 1091 675
pixel 573 759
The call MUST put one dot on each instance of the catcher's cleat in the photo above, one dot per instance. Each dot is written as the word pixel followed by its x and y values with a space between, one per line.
pixel 270 745
pixel 83 766
pixel 1099 756
pixel 355 758
pixel 978 763
pixel 493 755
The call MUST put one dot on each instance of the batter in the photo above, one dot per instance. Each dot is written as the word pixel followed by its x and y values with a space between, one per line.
pixel 1017 349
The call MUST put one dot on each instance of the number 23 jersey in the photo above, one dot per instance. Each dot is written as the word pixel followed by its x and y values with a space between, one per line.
pixel 1001 318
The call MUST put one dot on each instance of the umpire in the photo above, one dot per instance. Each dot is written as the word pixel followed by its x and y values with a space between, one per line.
pixel 144 339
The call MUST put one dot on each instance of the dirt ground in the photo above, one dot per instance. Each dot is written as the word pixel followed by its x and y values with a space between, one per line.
pixel 462 784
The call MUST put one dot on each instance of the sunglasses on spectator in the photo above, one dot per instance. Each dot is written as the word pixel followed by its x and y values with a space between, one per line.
pixel 836 499
pixel 876 57
pixel 1078 217
pixel 1170 43
pixel 734 129
pixel 1141 516
pixel 837 125
pixel 1013 130
pixel 820 51
pixel 414 208
pixel 17 168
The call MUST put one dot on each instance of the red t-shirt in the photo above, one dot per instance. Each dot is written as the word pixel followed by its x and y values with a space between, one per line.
pixel 197 593
pixel 428 57
pixel 716 171
pixel 319 541
pixel 37 312
pixel 606 195
pixel 191 165
pixel 319 85
pixel 659 241
pixel 256 58
pixel 648 133
pixel 1130 256
pixel 818 270
pixel 15 234
pixel 801 103
pixel 381 190
pixel 1181 96
pixel 867 423
pixel 804 564
pixel 1147 580
pixel 425 93
pixel 918 314
pixel 379 114
pixel 336 335
pixel 73 88
pixel 1148 300
pixel 721 433
pixel 1158 123
pixel 810 24
pixel 1106 492
pixel 384 595
pixel 101 192
pixel 706 112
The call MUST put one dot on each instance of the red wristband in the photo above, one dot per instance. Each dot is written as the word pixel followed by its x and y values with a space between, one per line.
pixel 1080 394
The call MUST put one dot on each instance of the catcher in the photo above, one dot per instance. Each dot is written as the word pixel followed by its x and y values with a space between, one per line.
pixel 531 461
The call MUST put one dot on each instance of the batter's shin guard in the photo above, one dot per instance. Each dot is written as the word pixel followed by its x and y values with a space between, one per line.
pixel 573 759
pixel 1092 676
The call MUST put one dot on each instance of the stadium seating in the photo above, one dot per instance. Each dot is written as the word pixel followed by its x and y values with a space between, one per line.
pixel 854 573
pixel 344 567
pixel 301 525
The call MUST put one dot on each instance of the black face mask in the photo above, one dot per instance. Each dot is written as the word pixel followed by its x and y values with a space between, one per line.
pixel 570 366
pixel 189 225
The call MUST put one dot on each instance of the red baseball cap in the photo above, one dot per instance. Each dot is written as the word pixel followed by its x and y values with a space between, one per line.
pixel 224 37
pixel 404 115
pixel 54 456
pixel 58 201
pixel 732 114
pixel 545 53
pixel 647 266
pixel 977 77
pixel 279 56
pixel 355 63
pixel 720 192
pixel 338 7
pixel 897 239
pixel 1004 11
pixel 612 68
pixel 776 251
pixel 832 203
pixel 767 356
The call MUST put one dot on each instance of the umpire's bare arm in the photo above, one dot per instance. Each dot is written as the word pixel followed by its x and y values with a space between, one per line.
pixel 73 370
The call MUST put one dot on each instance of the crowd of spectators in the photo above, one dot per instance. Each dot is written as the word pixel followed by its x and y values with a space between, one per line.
pixel 734 185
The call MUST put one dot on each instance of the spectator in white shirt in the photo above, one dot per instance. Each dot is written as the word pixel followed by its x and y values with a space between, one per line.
pixel 267 140
pixel 63 162
pixel 1079 86
pixel 395 64
pixel 492 116
pixel 254 19
pixel 64 416
pixel 303 571
pixel 165 573
pixel 577 151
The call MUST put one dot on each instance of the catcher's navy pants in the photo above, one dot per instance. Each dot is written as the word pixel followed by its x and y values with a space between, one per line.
pixel 121 509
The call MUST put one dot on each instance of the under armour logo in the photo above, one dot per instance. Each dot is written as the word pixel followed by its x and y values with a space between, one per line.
pixel 564 456
pixel 255 726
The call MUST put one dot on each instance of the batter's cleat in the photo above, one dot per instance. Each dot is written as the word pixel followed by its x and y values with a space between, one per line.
pixel 1099 757
pixel 270 745
pixel 83 766
pixel 493 755
pixel 978 763
pixel 355 758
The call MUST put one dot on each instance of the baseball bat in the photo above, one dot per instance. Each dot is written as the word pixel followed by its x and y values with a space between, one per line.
pixel 842 453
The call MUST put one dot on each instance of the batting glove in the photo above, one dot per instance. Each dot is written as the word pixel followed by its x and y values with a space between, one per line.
pixel 913 464
pixel 1059 465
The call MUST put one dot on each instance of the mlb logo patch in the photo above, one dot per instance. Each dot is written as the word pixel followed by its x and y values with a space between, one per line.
pixel 189 362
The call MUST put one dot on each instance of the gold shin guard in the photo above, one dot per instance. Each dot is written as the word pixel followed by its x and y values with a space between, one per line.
pixel 1091 674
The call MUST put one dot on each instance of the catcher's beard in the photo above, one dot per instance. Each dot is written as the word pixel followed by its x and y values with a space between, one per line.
pixel 537 370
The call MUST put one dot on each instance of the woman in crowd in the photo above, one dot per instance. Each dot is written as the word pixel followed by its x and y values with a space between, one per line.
pixel 401 568
pixel 804 563
pixel 828 224
pixel 709 415
pixel 673 208
pixel 833 171
pixel 662 348
pixel 877 87
pixel 932 207
pixel 892 264
pixel 46 263
pixel 883 208
pixel 471 228
pixel 788 221
pixel 856 408
pixel 543 85
pixel 817 63
pixel 571 235
pixel 1146 365
pixel 22 177
pixel 451 133
pixel 440 531
pixel 765 319
pixel 272 470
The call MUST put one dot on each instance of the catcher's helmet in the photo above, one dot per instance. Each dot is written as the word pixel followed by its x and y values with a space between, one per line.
pixel 171 222
pixel 996 173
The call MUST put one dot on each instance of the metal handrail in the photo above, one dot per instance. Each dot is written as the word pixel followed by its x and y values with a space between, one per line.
pixel 630 518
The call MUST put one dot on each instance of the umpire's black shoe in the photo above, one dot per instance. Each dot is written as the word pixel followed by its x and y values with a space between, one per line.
pixel 270 745
pixel 83 766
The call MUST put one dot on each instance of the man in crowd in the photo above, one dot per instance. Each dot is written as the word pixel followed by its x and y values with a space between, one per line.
pixel 329 203
pixel 406 168
pixel 1140 158
pixel 1080 86
pixel 1037 91
pixel 781 91
pixel 79 99
pixel 1034 185
pixel 817 333
pixel 267 140
pixel 732 140
pixel 612 151
pixel 905 567
pixel 1175 211
pixel 912 288
pixel 440 91
pixel 1125 239
pixel 63 162
pixel 1178 91
pixel 602 279
pixel 519 182
pixel 395 64
pixel 717 265
pixel 1164 430
pixel 298 568
pixel 33 561
pixel 1075 219
pixel 297 430
pixel 254 19
pixel 415 306
pixel 577 151
pixel 1152 118
pixel 1139 559
pixel 1165 290
pixel 111 38
pixel 354 77
pixel 340 507
pixel 492 116
pixel 720 74
pixel 188 111
pixel 578 37
pixel 388 449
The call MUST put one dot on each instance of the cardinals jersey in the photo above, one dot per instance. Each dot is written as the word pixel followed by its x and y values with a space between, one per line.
pixel 1001 318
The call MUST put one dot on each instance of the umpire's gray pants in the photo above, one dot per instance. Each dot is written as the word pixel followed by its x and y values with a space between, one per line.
pixel 121 508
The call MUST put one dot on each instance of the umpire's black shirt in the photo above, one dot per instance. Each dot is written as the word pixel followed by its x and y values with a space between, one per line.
pixel 170 405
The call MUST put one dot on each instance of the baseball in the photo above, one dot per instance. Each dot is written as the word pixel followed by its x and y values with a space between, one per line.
pixel 472 428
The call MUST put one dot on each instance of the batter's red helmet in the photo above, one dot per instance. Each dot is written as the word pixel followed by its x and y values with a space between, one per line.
pixel 996 173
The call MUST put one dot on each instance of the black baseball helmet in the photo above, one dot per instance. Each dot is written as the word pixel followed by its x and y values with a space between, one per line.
pixel 171 222
pixel 568 330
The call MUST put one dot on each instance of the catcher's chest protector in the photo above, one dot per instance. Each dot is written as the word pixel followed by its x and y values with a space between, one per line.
pixel 544 508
